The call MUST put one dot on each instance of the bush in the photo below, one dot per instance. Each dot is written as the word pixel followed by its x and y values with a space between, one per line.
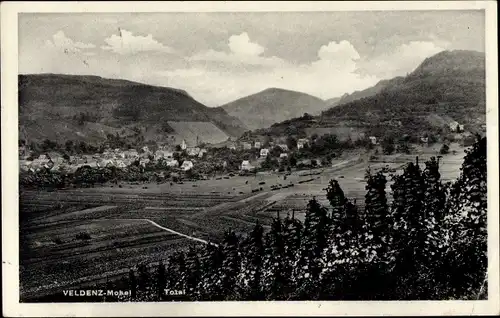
pixel 445 149
pixel 83 236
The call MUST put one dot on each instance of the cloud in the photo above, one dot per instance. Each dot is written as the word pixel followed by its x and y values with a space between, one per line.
pixel 241 45
pixel 341 51
pixel 331 75
pixel 241 51
pixel 402 60
pixel 62 43
pixel 126 43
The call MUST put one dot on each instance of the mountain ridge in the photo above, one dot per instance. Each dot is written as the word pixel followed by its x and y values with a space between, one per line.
pixel 272 104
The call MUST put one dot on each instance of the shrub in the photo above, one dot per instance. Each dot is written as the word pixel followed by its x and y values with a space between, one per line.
pixel 445 149
pixel 83 236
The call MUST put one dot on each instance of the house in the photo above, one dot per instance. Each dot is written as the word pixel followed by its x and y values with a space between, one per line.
pixel 264 152
pixel 373 140
pixel 455 126
pixel 183 144
pixel 172 163
pixel 257 145
pixel 144 162
pixel 301 143
pixel 283 155
pixel 24 165
pixel 145 149
pixel 120 164
pixel 283 147
pixel 246 145
pixel 163 154
pixel 424 139
pixel 246 166
pixel 202 152
pixel 187 165
pixel 232 146
pixel 59 166
pixel 131 153
pixel 193 151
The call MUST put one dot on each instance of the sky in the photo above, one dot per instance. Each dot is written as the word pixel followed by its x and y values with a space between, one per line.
pixel 220 57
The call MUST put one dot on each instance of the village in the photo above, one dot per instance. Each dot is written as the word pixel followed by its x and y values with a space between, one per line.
pixel 228 156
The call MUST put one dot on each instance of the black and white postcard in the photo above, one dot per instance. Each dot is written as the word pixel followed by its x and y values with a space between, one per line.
pixel 248 158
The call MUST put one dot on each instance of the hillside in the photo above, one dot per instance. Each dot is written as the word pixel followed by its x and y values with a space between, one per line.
pixel 71 107
pixel 449 85
pixel 273 105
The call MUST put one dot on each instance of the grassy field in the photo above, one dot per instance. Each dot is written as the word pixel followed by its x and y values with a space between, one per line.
pixel 117 220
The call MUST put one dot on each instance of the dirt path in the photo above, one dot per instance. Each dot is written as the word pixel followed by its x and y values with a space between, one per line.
pixel 168 230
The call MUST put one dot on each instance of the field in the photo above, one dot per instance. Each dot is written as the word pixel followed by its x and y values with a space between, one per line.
pixel 80 236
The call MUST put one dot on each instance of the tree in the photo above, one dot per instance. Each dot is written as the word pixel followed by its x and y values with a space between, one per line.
pixel 69 146
pixel 160 281
pixel 388 145
pixel 132 284
pixel 466 234
pixel 193 272
pixel 314 238
pixel 410 231
pixel 445 149
pixel 377 212
pixel 274 281
pixel 291 142
pixel 252 254
pixel 230 266
pixel 292 235
pixel 210 264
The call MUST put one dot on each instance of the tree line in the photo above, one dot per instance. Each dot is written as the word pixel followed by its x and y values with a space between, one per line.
pixel 428 243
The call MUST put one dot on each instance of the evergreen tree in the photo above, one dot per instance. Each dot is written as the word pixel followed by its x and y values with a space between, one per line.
pixel 337 199
pixel 132 281
pixel 274 280
pixel 193 272
pixel 160 281
pixel 292 229
pixel 409 232
pixel 377 233
pixel 252 253
pixel 143 282
pixel 230 266
pixel 176 273
pixel 466 233
pixel 314 240
pixel 210 264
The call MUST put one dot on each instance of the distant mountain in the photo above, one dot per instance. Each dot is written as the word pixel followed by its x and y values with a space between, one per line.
pixel 273 105
pixel 72 107
pixel 346 98
pixel 449 85
pixel 331 102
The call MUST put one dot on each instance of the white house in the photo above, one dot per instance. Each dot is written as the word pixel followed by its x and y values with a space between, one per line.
pixel 172 163
pixel 245 165
pixel 301 143
pixel 373 140
pixel 193 151
pixel 283 147
pixel 257 145
pixel 455 126
pixel 264 152
pixel 144 162
pixel 202 152
pixel 246 145
pixel 283 155
pixel 424 139
pixel 187 165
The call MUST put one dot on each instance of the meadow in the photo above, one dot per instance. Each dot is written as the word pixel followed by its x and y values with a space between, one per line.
pixel 74 237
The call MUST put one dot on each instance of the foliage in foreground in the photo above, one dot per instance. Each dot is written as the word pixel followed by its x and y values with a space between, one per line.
pixel 429 243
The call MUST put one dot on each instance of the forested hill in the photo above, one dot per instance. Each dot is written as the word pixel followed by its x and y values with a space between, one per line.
pixel 445 87
pixel 64 107
pixel 273 105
